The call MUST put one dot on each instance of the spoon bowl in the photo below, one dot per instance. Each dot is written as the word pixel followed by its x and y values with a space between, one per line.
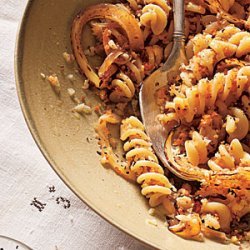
pixel 160 78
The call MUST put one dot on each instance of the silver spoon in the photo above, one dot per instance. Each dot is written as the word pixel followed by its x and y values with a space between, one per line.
pixel 160 78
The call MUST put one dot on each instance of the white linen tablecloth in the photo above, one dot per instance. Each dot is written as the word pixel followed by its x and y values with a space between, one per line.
pixel 36 207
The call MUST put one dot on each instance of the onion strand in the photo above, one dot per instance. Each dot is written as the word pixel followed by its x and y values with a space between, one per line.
pixel 114 13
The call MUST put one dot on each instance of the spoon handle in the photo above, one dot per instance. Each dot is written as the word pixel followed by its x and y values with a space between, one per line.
pixel 177 55
pixel 179 17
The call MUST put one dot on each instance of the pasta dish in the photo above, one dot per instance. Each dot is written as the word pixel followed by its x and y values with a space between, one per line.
pixel 206 109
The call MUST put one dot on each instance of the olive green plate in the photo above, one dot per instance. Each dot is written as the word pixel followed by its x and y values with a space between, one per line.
pixel 62 138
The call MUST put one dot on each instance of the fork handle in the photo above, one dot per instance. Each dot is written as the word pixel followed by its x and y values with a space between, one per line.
pixel 179 18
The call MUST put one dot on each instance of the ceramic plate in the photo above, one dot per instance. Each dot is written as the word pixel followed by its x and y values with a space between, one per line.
pixel 69 143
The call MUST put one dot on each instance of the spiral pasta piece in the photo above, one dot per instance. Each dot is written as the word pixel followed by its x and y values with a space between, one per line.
pixel 198 43
pixel 155 15
pixel 154 55
pixel 221 210
pixel 192 7
pixel 143 162
pixel 196 149
pixel 210 94
pixel 223 49
pixel 137 70
pixel 207 51
pixel 242 41
pixel 230 157
pixel 237 124
pixel 123 88
pixel 227 32
pixel 198 67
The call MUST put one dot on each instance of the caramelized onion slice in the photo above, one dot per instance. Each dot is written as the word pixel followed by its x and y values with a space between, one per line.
pixel 114 13
pixel 216 235
pixel 216 7
pixel 109 60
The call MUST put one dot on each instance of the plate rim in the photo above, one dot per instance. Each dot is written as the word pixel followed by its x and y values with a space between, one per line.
pixel 15 240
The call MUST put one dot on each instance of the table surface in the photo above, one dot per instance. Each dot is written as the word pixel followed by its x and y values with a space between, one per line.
pixel 36 207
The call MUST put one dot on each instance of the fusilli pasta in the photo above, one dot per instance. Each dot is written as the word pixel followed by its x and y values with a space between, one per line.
pixel 143 162
pixel 206 109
